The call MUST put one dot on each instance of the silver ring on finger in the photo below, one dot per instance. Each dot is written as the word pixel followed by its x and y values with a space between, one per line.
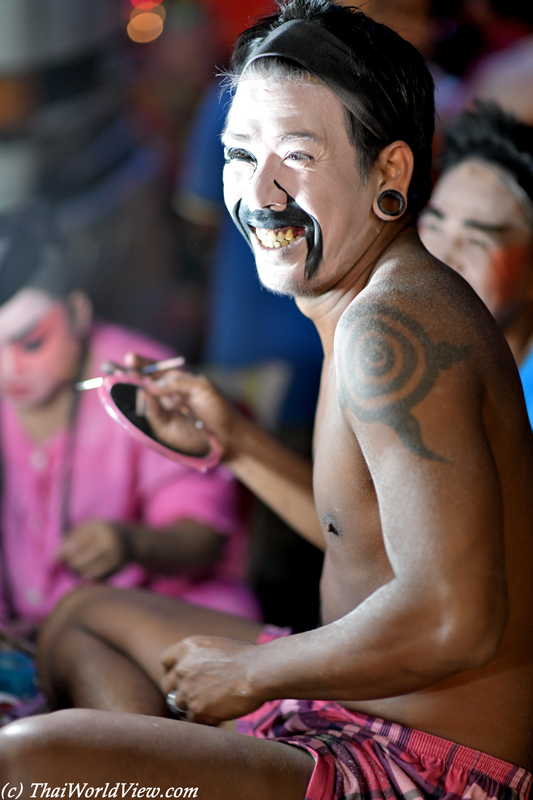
pixel 176 711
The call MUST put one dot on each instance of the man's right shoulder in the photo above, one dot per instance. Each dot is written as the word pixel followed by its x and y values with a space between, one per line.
pixel 401 339
pixel 426 294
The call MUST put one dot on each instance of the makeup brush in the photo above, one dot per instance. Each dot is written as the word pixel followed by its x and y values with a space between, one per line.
pixel 111 368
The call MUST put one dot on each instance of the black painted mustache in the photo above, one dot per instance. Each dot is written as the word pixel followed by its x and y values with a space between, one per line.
pixel 267 218
pixel 292 216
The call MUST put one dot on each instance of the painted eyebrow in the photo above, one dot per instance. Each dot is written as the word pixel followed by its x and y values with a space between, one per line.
pixel 288 137
pixel 285 137
pixel 22 334
pixel 485 226
pixel 435 211
pixel 241 137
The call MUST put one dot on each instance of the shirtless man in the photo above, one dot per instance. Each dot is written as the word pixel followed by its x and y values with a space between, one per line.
pixel 420 491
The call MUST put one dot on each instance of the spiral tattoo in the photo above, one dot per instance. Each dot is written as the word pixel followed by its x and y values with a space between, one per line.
pixel 389 364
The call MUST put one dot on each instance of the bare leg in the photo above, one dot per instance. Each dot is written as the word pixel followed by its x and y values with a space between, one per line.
pixel 101 647
pixel 96 747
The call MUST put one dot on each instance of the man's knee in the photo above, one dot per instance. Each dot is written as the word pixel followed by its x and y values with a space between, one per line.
pixel 14 739
pixel 28 744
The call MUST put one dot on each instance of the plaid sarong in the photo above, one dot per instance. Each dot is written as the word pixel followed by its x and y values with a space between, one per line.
pixel 359 757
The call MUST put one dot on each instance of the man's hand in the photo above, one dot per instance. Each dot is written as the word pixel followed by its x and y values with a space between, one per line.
pixel 210 676
pixel 178 405
pixel 278 476
pixel 93 549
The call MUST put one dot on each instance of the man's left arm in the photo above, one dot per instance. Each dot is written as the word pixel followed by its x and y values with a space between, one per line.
pixel 444 611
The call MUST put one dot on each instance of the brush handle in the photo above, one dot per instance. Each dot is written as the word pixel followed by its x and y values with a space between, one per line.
pixel 112 368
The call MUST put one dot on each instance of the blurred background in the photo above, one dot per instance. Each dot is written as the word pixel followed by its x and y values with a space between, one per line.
pixel 110 111
pixel 97 99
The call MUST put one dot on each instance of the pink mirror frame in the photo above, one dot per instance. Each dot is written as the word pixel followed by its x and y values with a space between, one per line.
pixel 201 463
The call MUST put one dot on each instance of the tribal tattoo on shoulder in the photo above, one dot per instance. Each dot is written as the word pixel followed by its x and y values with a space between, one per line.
pixel 388 365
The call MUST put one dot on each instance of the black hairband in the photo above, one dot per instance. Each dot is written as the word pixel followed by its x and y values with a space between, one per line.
pixel 324 55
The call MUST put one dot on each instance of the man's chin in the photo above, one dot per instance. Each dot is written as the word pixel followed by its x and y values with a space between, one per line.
pixel 282 281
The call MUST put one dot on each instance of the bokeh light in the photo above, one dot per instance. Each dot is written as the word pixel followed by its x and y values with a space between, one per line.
pixel 145 27
pixel 159 10
pixel 146 5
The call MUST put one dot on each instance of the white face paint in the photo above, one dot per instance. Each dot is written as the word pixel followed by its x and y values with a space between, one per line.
pixel 286 138
pixel 38 347
pixel 22 312
pixel 475 225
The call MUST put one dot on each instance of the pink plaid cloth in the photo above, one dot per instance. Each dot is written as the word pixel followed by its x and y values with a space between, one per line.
pixel 358 757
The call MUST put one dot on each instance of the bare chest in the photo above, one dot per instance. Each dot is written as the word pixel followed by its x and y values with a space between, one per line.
pixel 356 563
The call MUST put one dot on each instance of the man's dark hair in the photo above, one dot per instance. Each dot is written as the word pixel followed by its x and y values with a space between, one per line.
pixel 393 82
pixel 490 133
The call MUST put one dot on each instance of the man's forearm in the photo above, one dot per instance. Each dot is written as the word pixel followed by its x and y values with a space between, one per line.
pixel 387 647
pixel 279 477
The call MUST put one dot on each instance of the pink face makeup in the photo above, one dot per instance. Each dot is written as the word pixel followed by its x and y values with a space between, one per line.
pixel 119 398
pixel 38 354
pixel 509 263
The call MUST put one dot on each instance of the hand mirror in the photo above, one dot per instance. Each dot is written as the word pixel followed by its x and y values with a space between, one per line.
pixel 119 398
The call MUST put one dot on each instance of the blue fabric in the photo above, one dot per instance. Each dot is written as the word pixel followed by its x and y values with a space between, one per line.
pixel 204 156
pixel 526 375
pixel 247 323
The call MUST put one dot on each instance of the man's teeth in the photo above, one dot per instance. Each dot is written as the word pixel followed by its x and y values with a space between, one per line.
pixel 276 237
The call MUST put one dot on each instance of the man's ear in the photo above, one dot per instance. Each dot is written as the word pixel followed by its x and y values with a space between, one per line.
pixel 81 310
pixel 394 169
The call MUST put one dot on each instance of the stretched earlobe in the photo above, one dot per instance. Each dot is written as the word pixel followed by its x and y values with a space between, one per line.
pixel 390 204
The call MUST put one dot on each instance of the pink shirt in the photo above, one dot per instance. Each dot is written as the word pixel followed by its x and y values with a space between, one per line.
pixel 112 478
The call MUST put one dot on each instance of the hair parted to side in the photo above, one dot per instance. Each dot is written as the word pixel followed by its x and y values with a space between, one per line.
pixel 488 132
pixel 392 80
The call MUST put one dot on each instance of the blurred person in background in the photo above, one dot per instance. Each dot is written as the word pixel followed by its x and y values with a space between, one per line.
pixel 81 499
pixel 479 221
